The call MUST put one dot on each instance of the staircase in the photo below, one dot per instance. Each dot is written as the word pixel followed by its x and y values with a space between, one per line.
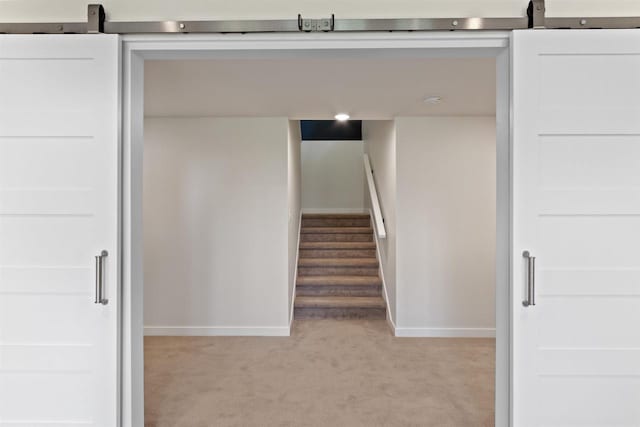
pixel 338 274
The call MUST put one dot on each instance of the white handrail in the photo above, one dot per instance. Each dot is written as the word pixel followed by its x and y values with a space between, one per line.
pixel 375 202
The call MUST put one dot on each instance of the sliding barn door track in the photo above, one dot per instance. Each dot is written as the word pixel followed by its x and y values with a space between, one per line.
pixel 97 23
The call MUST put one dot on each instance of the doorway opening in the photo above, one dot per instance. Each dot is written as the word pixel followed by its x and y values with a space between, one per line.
pixel 223 196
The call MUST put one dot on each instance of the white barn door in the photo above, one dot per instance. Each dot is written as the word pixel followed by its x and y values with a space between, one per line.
pixel 576 192
pixel 59 206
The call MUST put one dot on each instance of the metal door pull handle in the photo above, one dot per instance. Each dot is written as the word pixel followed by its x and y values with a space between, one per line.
pixel 531 279
pixel 100 299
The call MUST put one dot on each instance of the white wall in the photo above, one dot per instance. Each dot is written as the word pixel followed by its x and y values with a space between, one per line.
pixel 131 10
pixel 380 144
pixel 215 226
pixel 446 225
pixel 332 176
pixel 294 196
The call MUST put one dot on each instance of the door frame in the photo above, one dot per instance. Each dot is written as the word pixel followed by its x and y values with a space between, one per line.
pixel 137 49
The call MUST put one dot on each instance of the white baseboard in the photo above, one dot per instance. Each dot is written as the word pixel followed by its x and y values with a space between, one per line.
pixel 334 210
pixel 295 274
pixel 391 323
pixel 385 294
pixel 446 332
pixel 217 331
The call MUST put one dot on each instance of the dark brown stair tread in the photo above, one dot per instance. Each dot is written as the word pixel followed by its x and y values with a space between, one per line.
pixel 335 216
pixel 337 245
pixel 336 237
pixel 339 281
pixel 336 230
pixel 340 302
pixel 338 262
pixel 339 313
pixel 336 222
pixel 337 253
pixel 337 271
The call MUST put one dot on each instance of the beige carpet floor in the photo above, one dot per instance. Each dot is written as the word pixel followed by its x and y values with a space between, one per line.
pixel 328 373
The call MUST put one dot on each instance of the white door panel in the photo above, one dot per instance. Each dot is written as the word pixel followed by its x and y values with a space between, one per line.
pixel 59 165
pixel 576 192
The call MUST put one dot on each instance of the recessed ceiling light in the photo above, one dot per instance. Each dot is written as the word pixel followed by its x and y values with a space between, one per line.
pixel 342 117
pixel 433 100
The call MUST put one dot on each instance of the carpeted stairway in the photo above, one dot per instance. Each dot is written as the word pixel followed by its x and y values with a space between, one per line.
pixel 338 274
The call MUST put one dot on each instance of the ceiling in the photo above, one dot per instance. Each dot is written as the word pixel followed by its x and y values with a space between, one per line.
pixel 314 88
